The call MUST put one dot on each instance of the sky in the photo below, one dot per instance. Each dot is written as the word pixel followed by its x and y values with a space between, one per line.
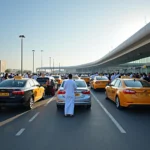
pixel 72 32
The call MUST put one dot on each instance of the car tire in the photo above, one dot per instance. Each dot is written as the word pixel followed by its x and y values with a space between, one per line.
pixel 106 95
pixel 118 103
pixel 59 106
pixel 88 107
pixel 43 97
pixel 30 103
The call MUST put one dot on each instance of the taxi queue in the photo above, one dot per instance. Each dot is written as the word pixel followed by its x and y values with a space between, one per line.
pixel 26 90
pixel 124 90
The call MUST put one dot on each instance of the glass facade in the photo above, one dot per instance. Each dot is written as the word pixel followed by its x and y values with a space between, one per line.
pixel 142 61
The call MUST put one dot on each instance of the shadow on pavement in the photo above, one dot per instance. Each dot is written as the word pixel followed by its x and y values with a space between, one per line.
pixel 8 114
pixel 98 90
pixel 132 110
pixel 78 111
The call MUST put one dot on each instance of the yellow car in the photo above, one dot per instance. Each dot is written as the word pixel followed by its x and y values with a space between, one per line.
pixel 128 91
pixel 99 82
pixel 58 79
pixel 20 92
pixel 86 78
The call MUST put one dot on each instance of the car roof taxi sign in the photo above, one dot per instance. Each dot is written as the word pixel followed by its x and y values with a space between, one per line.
pixel 18 77
pixel 125 77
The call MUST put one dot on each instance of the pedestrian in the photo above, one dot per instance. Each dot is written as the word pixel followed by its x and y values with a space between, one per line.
pixel 6 76
pixel 69 87
pixel 48 83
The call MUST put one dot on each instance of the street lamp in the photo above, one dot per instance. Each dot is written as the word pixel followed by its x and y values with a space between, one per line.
pixel 21 37
pixel 59 68
pixel 33 59
pixel 53 66
pixel 41 58
pixel 50 63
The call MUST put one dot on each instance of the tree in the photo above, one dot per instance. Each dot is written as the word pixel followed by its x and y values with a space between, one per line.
pixel 18 72
pixel 8 70
pixel 25 71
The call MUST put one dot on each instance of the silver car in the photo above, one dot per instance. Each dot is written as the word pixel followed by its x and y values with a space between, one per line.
pixel 82 94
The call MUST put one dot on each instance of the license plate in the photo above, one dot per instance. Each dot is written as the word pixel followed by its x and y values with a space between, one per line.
pixel 77 94
pixel 4 94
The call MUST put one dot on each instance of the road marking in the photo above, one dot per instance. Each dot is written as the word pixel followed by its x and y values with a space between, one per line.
pixel 11 119
pixel 109 115
pixel 34 117
pixel 20 132
pixel 49 101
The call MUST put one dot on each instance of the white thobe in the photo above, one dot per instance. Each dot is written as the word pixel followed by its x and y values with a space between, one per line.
pixel 26 76
pixel 69 87
pixel 112 77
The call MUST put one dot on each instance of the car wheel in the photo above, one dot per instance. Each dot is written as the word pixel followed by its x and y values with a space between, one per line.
pixel 59 106
pixel 118 103
pixel 30 103
pixel 88 106
pixel 43 97
pixel 106 95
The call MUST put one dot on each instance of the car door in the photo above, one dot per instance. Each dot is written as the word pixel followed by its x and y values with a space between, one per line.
pixel 115 89
pixel 35 90
pixel 110 88
pixel 39 89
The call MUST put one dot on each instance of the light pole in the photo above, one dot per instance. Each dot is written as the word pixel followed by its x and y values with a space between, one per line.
pixel 53 66
pixel 41 58
pixel 21 37
pixel 59 68
pixel 50 64
pixel 33 59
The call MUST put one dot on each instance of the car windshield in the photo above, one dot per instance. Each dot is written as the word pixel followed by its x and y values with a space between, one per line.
pixel 13 83
pixel 78 83
pixel 101 78
pixel 136 83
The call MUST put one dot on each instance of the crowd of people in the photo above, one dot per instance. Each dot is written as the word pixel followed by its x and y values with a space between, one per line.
pixel 110 76
pixel 5 76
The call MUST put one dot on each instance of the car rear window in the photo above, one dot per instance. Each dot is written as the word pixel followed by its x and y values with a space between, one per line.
pixel 136 83
pixel 101 78
pixel 13 83
pixel 84 76
pixel 42 79
pixel 56 77
pixel 78 83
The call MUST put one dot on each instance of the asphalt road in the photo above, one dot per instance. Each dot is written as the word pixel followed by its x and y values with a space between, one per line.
pixel 103 127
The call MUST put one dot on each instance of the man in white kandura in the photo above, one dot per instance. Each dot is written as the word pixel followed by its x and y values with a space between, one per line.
pixel 69 87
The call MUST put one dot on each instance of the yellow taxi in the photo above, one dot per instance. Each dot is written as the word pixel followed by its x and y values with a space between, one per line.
pixel 127 91
pixel 58 79
pixel 86 78
pixel 99 82
pixel 20 92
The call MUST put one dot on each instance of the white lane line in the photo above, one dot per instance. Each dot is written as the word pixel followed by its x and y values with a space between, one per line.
pixel 34 117
pixel 49 101
pixel 109 115
pixel 20 132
